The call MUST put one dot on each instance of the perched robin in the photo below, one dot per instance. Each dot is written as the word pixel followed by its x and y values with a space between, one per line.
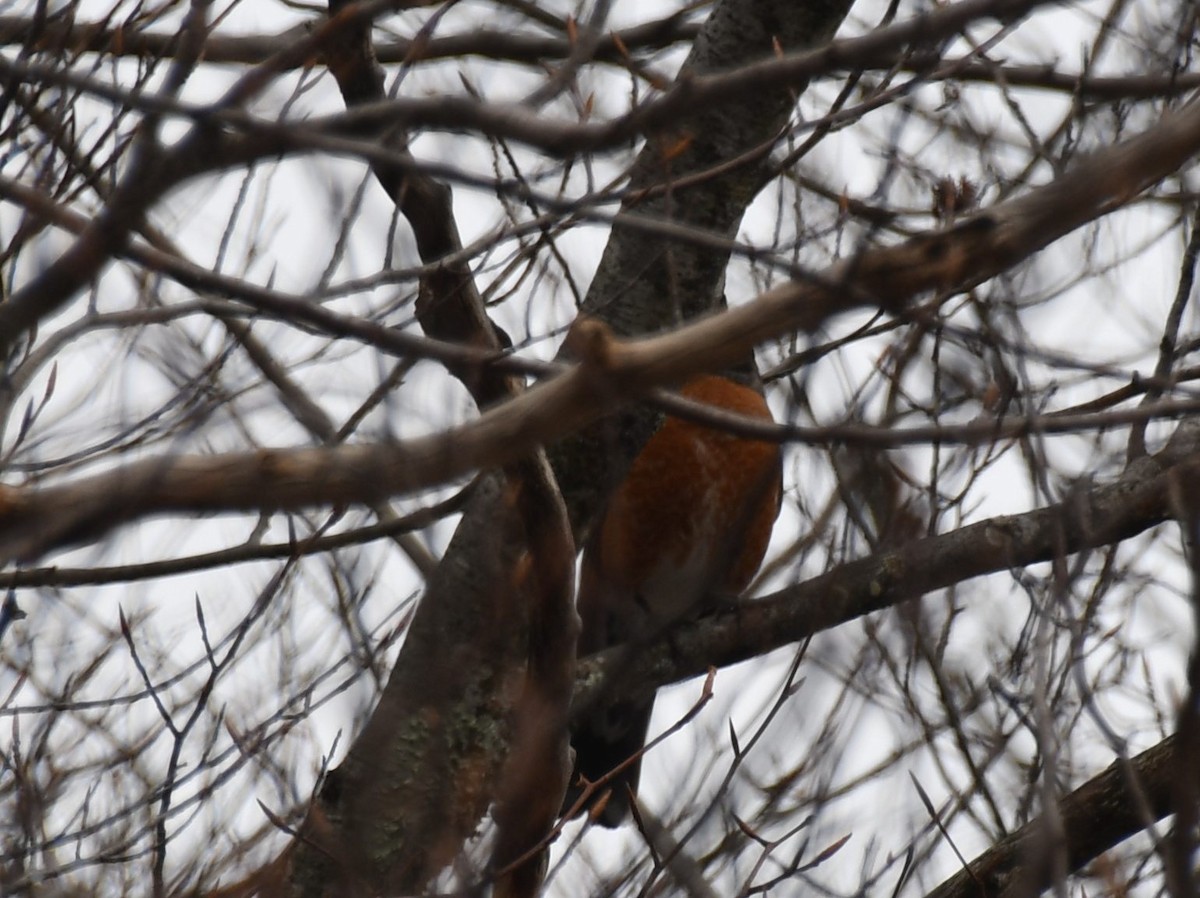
pixel 690 521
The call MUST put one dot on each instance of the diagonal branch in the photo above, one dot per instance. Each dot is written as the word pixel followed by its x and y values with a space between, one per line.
pixel 1107 809
pixel 980 247
pixel 1094 516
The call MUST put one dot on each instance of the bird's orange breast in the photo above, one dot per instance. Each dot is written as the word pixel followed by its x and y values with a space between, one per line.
pixel 695 512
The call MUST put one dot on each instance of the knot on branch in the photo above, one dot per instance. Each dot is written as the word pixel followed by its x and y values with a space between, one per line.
pixel 593 344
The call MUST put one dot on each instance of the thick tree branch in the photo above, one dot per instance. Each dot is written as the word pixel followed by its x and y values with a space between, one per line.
pixel 1107 809
pixel 499 645
pixel 1092 517
pixel 33 520
pixel 514 47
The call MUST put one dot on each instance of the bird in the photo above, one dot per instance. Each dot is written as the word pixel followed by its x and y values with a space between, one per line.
pixel 689 522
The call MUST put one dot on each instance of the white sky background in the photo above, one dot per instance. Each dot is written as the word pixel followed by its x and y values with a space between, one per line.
pixel 284 237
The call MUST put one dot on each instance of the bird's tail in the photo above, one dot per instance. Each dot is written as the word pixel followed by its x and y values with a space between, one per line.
pixel 604 741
